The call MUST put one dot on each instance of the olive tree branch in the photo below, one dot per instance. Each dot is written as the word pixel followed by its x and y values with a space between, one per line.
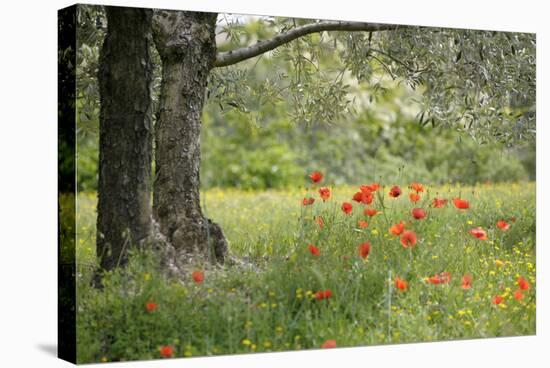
pixel 235 56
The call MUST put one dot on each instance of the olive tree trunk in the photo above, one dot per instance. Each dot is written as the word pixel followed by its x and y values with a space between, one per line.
pixel 125 141
pixel 187 47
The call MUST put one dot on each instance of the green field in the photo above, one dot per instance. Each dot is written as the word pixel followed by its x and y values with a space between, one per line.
pixel 268 302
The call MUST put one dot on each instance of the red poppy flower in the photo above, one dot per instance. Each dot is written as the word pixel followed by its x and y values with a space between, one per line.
pixel 151 306
pixel 466 282
pixel 363 197
pixel 395 191
pixel 461 204
pixel 503 225
pixel 362 224
pixel 417 187
pixel 518 295
pixel 498 299
pixel 439 203
pixel 323 294
pixel 316 176
pixel 479 233
pixel 367 198
pixel 442 278
pixel 364 250
pixel 347 208
pixel 324 192
pixel 313 250
pixel 329 344
pixel 523 283
pixel 308 201
pixel 414 197
pixel 371 187
pixel 418 213
pixel 370 212
pixel 365 189
pixel 319 220
pixel 401 284
pixel 166 351
pixel 408 239
pixel 198 276
pixel 397 229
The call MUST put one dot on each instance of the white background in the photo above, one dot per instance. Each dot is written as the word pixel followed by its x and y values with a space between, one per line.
pixel 28 185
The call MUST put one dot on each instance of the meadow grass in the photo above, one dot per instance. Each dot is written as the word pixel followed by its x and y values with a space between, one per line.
pixel 270 304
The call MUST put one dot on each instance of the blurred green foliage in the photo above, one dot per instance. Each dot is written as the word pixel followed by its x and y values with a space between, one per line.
pixel 237 153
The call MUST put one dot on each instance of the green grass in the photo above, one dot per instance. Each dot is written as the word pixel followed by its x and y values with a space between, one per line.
pixel 269 305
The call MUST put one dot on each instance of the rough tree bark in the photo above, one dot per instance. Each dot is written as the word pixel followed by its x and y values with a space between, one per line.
pixel 125 142
pixel 187 47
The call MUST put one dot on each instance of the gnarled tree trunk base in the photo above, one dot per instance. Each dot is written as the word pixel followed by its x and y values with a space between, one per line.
pixel 200 236
pixel 180 262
